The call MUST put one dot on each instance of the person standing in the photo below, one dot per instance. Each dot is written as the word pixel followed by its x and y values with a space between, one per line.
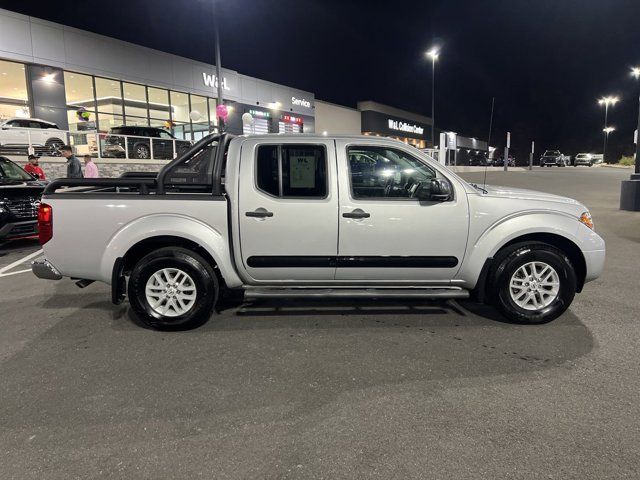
pixel 90 168
pixel 74 169
pixel 34 168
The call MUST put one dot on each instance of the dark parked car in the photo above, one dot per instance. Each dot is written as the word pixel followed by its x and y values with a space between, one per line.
pixel 19 200
pixel 141 142
pixel 479 160
pixel 499 162
pixel 552 158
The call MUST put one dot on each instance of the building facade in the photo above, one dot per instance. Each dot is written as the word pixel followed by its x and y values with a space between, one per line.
pixel 83 81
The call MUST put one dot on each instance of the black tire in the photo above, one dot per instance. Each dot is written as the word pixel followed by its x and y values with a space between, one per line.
pixel 508 261
pixel 53 145
pixel 141 150
pixel 203 276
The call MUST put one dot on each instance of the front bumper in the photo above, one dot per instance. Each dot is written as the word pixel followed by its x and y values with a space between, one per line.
pixel 41 268
pixel 11 230
pixel 594 261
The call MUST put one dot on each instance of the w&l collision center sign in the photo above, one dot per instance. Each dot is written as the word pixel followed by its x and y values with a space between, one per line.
pixel 388 125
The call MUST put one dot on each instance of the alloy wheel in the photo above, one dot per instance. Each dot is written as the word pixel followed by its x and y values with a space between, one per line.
pixel 171 292
pixel 534 286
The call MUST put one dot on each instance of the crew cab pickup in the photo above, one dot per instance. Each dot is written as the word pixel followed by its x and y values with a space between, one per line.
pixel 284 216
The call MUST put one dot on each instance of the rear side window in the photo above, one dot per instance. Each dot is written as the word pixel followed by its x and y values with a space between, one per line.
pixel 292 171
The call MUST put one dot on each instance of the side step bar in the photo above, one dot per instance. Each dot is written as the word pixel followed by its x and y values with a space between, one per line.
pixel 424 293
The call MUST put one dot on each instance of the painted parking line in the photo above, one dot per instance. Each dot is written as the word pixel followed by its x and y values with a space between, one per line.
pixel 4 271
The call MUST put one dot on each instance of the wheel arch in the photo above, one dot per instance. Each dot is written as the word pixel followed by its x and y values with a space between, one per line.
pixel 570 248
pixel 149 233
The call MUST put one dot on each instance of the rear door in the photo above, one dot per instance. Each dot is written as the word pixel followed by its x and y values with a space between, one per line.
pixel 387 235
pixel 288 210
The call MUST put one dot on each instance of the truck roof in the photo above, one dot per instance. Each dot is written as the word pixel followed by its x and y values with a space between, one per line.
pixel 309 136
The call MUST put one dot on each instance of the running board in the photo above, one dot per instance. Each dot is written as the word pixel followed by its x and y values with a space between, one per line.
pixel 423 293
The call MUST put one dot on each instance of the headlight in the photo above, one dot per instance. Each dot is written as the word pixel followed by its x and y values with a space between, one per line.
pixel 586 219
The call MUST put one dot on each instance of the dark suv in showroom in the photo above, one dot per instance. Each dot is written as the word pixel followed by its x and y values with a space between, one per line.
pixel 19 200
pixel 142 142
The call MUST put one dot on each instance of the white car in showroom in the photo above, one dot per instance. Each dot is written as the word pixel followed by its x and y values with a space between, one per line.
pixel 45 137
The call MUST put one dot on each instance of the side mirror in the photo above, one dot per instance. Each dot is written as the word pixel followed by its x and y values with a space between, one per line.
pixel 441 190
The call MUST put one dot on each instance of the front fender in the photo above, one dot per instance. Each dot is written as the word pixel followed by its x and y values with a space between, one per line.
pixel 213 241
pixel 486 243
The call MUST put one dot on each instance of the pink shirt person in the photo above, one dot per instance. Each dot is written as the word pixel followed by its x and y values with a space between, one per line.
pixel 90 168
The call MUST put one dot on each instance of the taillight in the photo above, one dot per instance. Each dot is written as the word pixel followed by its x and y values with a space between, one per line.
pixel 45 223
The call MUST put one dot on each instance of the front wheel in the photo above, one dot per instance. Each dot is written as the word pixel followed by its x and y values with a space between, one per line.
pixel 533 283
pixel 173 289
pixel 53 146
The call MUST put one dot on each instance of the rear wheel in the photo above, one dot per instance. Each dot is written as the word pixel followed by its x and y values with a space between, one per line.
pixel 532 283
pixel 173 289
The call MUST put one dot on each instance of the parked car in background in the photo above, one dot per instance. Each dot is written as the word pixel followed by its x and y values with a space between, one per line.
pixel 584 159
pixel 258 213
pixel 141 142
pixel 19 199
pixel 552 158
pixel 18 133
pixel 499 162
pixel 479 159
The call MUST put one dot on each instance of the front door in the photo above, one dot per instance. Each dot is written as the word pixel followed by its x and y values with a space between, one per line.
pixel 288 211
pixel 388 235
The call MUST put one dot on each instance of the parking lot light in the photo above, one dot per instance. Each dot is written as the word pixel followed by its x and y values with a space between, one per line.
pixel 433 54
pixel 606 101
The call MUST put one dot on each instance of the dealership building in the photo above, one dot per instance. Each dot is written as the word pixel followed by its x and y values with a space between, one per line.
pixel 87 84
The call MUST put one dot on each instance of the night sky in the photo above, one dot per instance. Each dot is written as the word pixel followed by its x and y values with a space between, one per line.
pixel 545 61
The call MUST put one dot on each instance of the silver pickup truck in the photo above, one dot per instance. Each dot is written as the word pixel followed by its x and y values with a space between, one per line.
pixel 283 216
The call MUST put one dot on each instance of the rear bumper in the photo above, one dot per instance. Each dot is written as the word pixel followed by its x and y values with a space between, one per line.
pixel 41 268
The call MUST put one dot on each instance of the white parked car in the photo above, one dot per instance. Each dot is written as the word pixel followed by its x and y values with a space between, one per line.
pixel 284 216
pixel 44 136
pixel 584 159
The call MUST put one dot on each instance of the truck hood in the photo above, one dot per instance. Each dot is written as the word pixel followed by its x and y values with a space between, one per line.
pixel 523 194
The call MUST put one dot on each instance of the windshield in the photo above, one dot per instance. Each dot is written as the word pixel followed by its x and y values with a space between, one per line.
pixel 552 152
pixel 9 171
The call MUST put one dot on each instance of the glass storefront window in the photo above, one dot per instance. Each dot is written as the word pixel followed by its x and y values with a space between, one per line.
pixel 180 107
pixel 79 92
pixel 200 119
pixel 8 110
pixel 135 102
pixel 108 96
pixel 13 90
pixel 158 104
pixel 13 81
pixel 108 120
pixel 138 121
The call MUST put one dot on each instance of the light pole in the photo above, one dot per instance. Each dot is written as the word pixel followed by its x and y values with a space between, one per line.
pixel 606 101
pixel 635 73
pixel 433 54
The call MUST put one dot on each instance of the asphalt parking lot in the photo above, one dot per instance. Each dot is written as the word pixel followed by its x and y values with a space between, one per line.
pixel 329 390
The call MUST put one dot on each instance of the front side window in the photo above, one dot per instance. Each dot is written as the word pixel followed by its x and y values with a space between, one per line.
pixel 292 171
pixel 387 173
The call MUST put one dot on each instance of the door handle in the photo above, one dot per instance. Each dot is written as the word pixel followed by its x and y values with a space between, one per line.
pixel 259 213
pixel 357 213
